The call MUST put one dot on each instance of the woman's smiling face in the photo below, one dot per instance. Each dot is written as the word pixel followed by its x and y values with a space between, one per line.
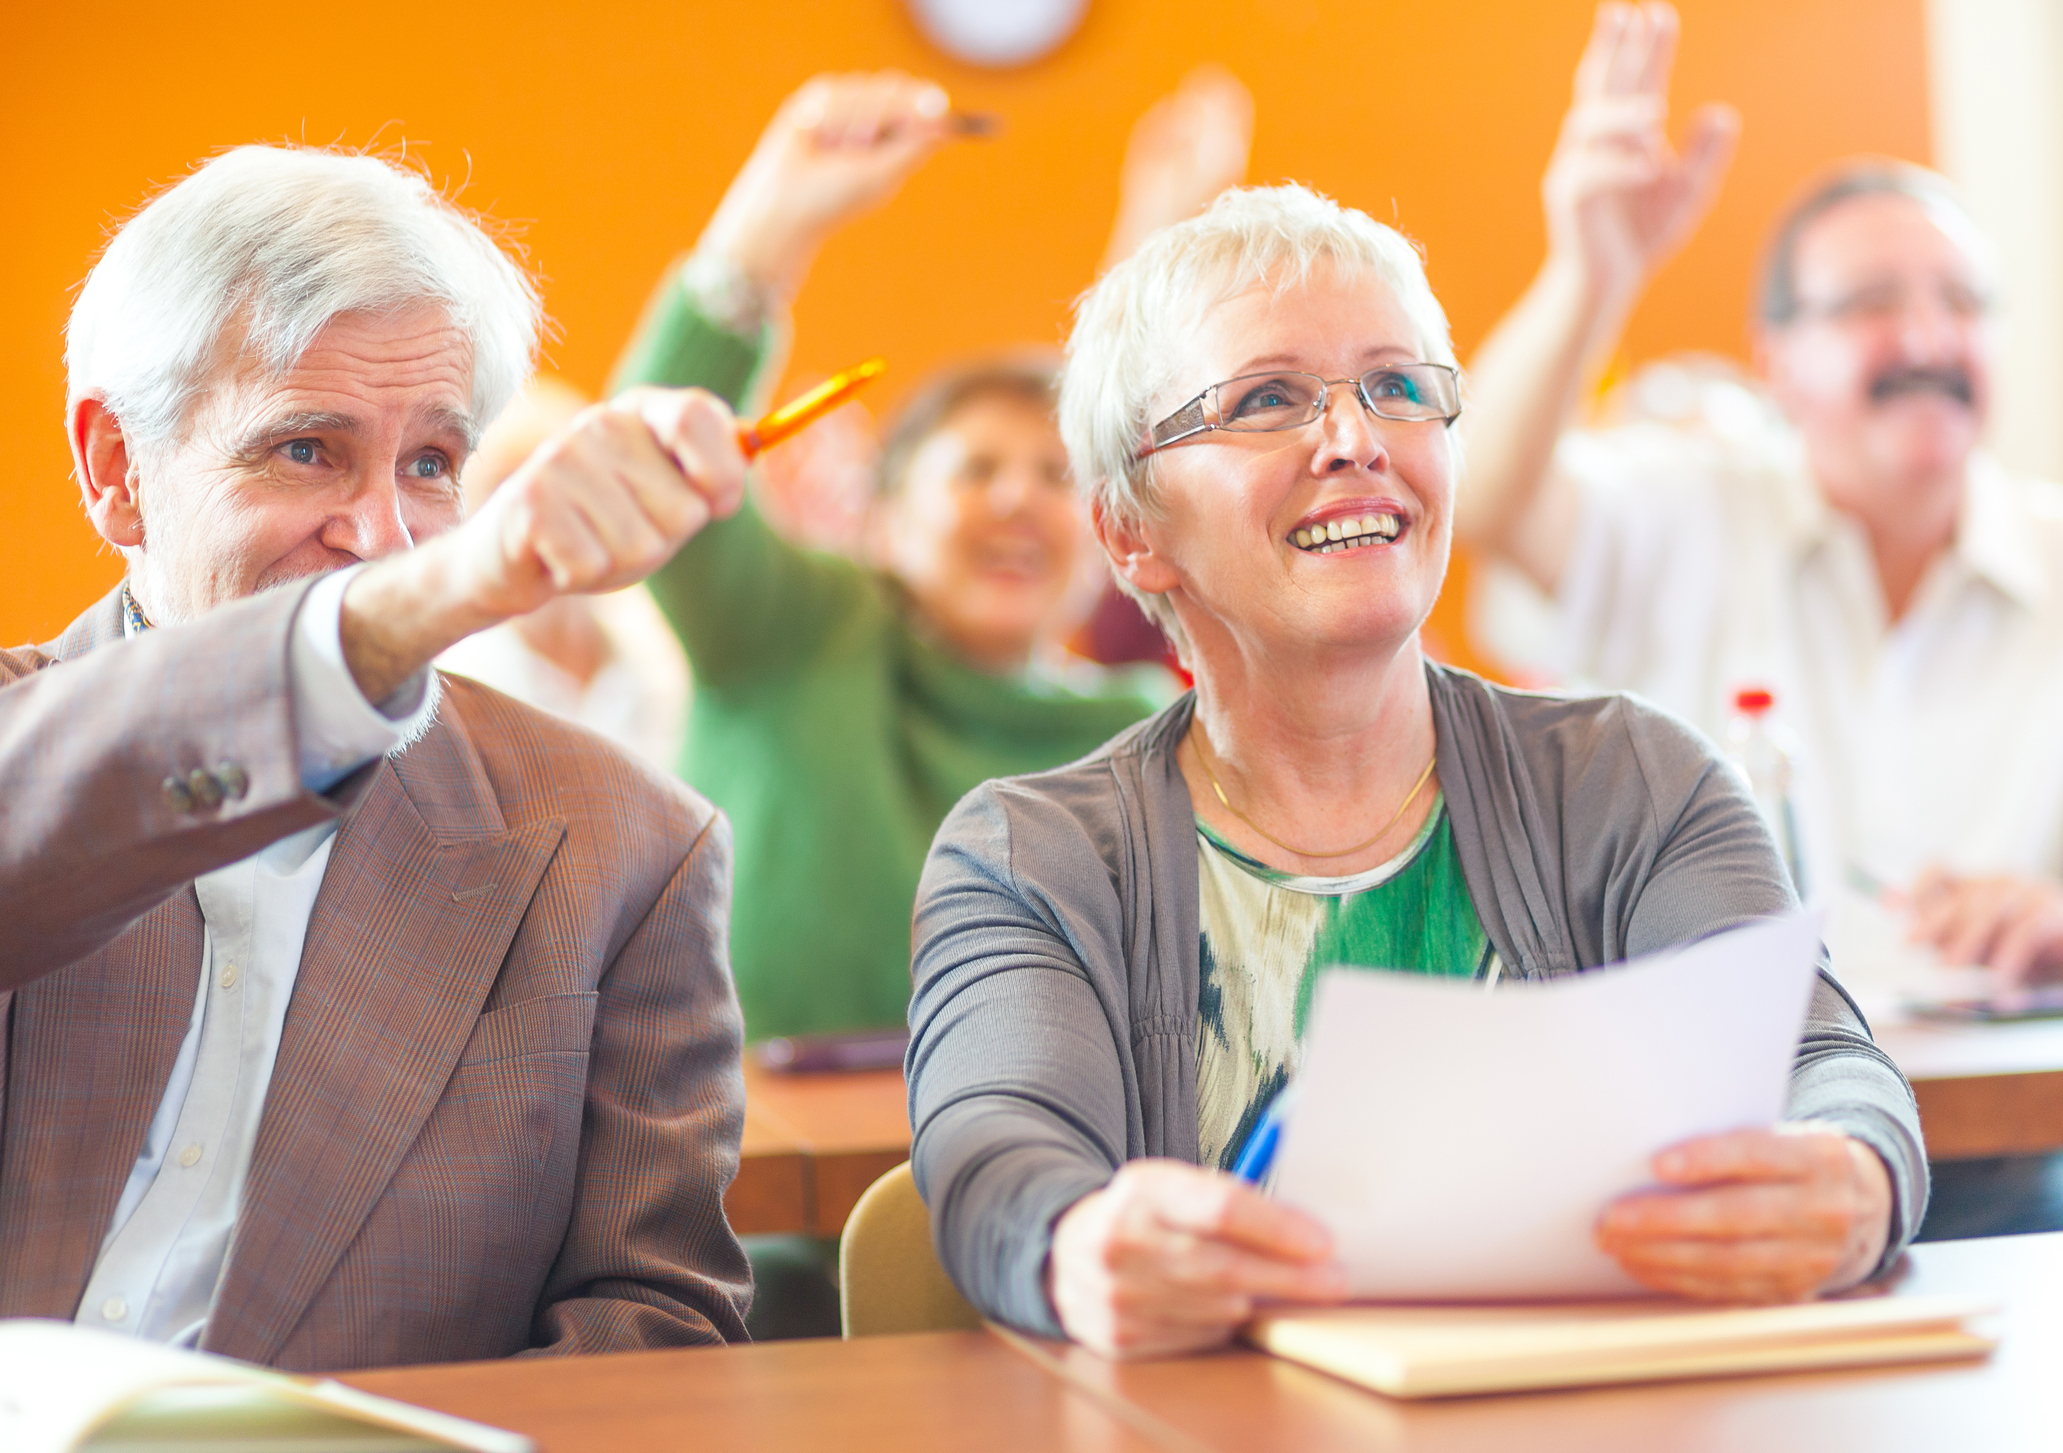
pixel 1239 538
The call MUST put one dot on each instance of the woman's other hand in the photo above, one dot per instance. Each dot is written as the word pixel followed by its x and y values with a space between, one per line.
pixel 1172 1258
pixel 1619 198
pixel 1755 1216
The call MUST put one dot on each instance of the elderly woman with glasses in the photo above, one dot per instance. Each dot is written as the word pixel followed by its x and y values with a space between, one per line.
pixel 1113 959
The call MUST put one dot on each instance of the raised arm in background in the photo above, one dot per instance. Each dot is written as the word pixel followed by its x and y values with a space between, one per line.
pixel 1189 146
pixel 743 599
pixel 1619 201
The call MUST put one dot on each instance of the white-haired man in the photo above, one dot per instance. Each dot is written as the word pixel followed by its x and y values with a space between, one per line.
pixel 352 1016
pixel 1900 591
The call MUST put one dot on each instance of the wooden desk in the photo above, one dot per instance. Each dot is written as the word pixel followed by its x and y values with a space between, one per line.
pixel 1984 1089
pixel 974 1390
pixel 813 1144
pixel 877 1395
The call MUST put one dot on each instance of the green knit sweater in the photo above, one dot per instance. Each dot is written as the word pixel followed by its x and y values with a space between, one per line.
pixel 834 735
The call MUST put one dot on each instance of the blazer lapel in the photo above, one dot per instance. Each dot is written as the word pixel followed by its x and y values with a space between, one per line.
pixel 90 1049
pixel 425 889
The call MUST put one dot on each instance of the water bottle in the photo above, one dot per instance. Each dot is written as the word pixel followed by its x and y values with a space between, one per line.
pixel 1766 753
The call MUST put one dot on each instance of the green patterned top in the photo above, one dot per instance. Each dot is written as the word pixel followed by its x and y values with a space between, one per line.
pixel 1266 935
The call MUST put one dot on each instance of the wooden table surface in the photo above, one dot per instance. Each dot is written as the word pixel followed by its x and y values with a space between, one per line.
pixel 1984 1089
pixel 813 1144
pixel 979 1390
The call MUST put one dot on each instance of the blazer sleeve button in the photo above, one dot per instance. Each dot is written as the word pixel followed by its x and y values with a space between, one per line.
pixel 205 789
pixel 233 780
pixel 177 793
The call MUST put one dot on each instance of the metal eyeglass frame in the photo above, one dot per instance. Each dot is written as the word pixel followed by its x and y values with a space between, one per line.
pixel 1190 422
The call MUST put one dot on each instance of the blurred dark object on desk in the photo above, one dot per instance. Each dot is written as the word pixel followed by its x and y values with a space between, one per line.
pixel 2007 1007
pixel 864 1049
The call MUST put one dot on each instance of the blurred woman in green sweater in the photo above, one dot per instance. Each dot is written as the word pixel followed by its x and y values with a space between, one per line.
pixel 839 710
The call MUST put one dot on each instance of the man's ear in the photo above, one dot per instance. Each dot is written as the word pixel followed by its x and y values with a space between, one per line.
pixel 1132 555
pixel 108 481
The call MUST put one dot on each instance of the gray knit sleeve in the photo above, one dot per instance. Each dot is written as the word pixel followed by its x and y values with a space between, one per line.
pixel 1017 1088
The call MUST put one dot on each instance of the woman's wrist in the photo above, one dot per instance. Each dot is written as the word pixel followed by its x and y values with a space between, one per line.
pixel 1873 1233
pixel 771 253
pixel 1595 303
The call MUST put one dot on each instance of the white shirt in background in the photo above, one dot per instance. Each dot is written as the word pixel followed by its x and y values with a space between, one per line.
pixel 1705 562
pixel 639 698
pixel 167 1246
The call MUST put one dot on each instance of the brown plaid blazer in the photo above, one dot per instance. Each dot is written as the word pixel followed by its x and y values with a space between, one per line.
pixel 507 1100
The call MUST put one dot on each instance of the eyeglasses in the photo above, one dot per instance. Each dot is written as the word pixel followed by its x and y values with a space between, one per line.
pixel 1885 301
pixel 1261 403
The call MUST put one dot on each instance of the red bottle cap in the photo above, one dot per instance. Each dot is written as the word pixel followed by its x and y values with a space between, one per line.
pixel 1754 700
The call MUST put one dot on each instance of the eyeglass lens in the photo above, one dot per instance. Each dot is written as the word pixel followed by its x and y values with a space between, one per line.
pixel 1264 401
pixel 1883 301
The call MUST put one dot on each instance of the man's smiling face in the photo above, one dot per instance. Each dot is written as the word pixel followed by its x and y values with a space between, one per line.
pixel 1886 370
pixel 352 454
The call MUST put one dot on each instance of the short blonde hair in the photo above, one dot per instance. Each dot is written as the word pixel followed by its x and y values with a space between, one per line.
pixel 1131 328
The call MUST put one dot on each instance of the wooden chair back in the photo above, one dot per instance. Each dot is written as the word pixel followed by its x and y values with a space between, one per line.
pixel 889 1279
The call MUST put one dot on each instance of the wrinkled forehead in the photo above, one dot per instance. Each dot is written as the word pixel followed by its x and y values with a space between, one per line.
pixel 1889 237
pixel 1336 315
pixel 411 367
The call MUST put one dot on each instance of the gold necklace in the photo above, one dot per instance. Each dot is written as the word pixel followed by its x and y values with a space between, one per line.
pixel 1218 788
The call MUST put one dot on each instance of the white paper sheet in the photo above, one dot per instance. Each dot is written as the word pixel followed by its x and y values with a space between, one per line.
pixel 1461 1143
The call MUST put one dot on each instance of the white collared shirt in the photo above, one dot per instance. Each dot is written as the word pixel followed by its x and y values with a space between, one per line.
pixel 639 697
pixel 1704 564
pixel 169 1241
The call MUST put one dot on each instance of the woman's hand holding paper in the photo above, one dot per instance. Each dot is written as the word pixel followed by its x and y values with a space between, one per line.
pixel 1172 1258
pixel 1755 1216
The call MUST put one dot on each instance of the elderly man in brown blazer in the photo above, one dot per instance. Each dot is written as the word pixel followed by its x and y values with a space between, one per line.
pixel 352 1015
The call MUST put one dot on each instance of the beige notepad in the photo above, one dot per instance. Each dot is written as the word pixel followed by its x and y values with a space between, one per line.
pixel 65 1388
pixel 1445 1351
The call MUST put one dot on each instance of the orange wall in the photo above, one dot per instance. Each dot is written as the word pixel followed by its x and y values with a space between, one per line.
pixel 608 132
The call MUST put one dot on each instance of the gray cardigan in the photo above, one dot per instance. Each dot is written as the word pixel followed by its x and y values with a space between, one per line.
pixel 1054 1022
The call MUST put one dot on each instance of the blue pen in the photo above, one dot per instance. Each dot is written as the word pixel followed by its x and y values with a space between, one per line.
pixel 1258 1154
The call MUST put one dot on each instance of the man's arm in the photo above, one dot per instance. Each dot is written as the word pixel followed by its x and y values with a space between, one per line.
pixel 649 1259
pixel 101 815
pixel 1619 202
pixel 601 506
pixel 147 763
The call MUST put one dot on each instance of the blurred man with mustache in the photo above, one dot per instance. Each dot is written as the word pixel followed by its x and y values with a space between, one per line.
pixel 1899 591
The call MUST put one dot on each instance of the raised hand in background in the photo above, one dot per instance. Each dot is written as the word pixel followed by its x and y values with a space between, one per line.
pixel 838 148
pixel 1187 148
pixel 1620 199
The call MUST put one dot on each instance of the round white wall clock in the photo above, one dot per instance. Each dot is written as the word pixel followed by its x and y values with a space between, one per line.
pixel 997 32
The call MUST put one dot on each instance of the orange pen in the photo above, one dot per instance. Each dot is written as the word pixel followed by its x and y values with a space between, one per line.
pixel 799 413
